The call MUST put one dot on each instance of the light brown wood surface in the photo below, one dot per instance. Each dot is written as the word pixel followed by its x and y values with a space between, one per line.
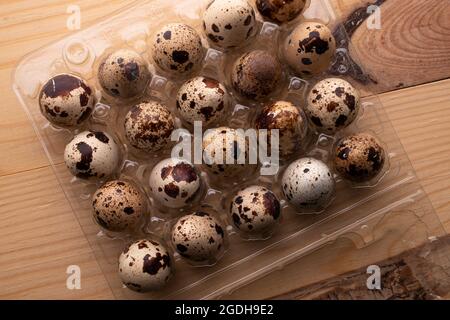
pixel 39 235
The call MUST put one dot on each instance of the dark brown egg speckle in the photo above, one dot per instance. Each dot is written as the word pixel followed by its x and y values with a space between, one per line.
pixel 256 75
pixel 309 49
pixel 202 99
pixel 149 126
pixel 92 155
pixel 198 237
pixel 118 205
pixel 359 158
pixel 66 100
pixel 124 74
pixel 222 144
pixel 332 105
pixel 255 210
pixel 308 185
pixel 177 48
pixel 145 265
pixel 174 183
pixel 280 10
pixel 290 122
pixel 229 23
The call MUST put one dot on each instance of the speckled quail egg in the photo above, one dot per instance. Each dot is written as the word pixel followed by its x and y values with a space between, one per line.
pixel 149 126
pixel 310 48
pixel 225 152
pixel 202 99
pixel 291 123
pixel 178 49
pixel 332 104
pixel 255 209
pixel 124 74
pixel 359 157
pixel 92 155
pixel 198 237
pixel 280 10
pixel 66 100
pixel 256 74
pixel 308 185
pixel 174 182
pixel 145 265
pixel 229 23
pixel 118 205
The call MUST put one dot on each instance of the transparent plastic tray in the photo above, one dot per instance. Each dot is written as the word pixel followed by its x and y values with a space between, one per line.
pixel 355 207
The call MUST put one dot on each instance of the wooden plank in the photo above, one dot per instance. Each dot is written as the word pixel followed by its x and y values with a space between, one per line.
pixel 421 115
pixel 418 274
pixel 40 238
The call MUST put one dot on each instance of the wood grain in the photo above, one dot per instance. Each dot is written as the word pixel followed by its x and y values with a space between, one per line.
pixel 418 274
pixel 40 238
pixel 411 48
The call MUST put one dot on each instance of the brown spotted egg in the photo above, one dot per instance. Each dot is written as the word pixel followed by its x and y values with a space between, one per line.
pixel 198 237
pixel 124 74
pixel 256 74
pixel 118 205
pixel 174 183
pixel 281 10
pixel 92 155
pixel 332 104
pixel 202 99
pixel 309 49
pixel 359 157
pixel 178 49
pixel 291 123
pixel 149 126
pixel 229 23
pixel 255 210
pixel 225 152
pixel 145 265
pixel 66 100
pixel 308 185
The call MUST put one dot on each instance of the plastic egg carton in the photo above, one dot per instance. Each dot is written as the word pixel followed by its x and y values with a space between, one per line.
pixel 355 206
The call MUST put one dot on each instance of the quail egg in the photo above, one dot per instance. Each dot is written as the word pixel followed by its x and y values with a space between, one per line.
pixel 198 237
pixel 359 157
pixel 124 74
pixel 202 99
pixel 229 23
pixel 118 205
pixel 225 152
pixel 280 10
pixel 174 182
pixel 149 126
pixel 308 185
pixel 309 49
pixel 92 155
pixel 289 120
pixel 332 104
pixel 178 49
pixel 66 100
pixel 145 265
pixel 256 74
pixel 255 209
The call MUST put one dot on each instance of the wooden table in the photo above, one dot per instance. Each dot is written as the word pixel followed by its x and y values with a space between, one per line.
pixel 409 58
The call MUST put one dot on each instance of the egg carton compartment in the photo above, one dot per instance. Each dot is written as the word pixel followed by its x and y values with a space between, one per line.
pixel 240 260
